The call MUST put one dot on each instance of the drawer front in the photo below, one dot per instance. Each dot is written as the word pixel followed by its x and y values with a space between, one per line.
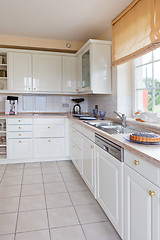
pixel 20 149
pixel 49 147
pixel 48 131
pixel 46 121
pixel 19 128
pixel 76 137
pixel 75 126
pixel 20 121
pixel 19 135
pixel 145 168
pixel 89 134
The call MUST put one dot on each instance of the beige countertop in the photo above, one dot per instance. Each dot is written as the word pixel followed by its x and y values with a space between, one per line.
pixel 149 152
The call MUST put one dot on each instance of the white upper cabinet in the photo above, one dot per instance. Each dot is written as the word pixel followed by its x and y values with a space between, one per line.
pixel 47 73
pixel 94 70
pixel 19 71
pixel 69 74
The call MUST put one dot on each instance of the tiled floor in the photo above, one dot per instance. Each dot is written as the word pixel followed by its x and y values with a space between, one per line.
pixel 49 201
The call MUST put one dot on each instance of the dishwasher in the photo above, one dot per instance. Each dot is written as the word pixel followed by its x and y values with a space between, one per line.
pixel 109 158
pixel 110 147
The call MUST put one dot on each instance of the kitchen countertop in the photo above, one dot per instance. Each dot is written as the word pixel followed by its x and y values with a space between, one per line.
pixel 149 152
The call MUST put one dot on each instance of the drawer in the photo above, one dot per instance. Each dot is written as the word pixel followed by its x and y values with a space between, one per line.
pixel 48 131
pixel 49 147
pixel 145 168
pixel 89 134
pixel 75 126
pixel 19 128
pixel 46 121
pixel 76 137
pixel 20 149
pixel 20 121
pixel 19 135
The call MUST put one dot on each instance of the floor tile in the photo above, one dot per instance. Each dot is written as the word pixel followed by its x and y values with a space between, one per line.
pixel 67 233
pixel 48 164
pixel 65 163
pixel 32 189
pixel 36 235
pixel 9 205
pixel 32 165
pixel 54 177
pixel 74 186
pixel 16 165
pixel 61 217
pixel 58 187
pixel 90 213
pixel 58 200
pixel 7 223
pixel 100 231
pixel 9 181
pixel 7 237
pixel 14 172
pixel 27 179
pixel 36 202
pixel 38 222
pixel 3 166
pixel 80 198
pixel 67 168
pixel 69 176
pixel 32 171
pixel 10 191
pixel 54 169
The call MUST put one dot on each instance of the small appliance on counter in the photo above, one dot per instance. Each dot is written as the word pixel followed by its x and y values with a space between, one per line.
pixel 77 108
pixel 11 105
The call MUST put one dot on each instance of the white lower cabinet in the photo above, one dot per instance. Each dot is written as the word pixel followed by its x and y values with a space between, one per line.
pixel 76 156
pixel 49 147
pixel 88 163
pixel 142 210
pixel 20 149
pixel 109 187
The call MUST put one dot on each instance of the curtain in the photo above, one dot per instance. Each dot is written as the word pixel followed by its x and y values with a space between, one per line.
pixel 136 31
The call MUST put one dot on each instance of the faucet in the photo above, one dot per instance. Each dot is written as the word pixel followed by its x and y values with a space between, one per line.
pixel 122 117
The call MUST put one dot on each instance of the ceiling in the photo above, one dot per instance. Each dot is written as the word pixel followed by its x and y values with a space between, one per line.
pixel 73 20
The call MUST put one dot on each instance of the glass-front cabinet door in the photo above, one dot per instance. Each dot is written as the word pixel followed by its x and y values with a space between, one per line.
pixel 86 70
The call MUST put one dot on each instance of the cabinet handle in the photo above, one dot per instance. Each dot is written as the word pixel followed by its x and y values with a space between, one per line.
pixel 34 88
pixel 152 193
pixel 49 140
pixel 19 127
pixel 73 131
pixel 29 88
pixel 49 127
pixel 20 141
pixel 19 120
pixel 136 162
pixel 73 146
pixel 19 134
pixel 92 146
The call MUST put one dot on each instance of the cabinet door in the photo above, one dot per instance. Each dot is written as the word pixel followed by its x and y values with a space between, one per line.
pixel 109 187
pixel 47 73
pixel 48 131
pixel 20 148
pixel 86 70
pixel 19 71
pixel 49 147
pixel 142 212
pixel 69 74
pixel 76 156
pixel 88 163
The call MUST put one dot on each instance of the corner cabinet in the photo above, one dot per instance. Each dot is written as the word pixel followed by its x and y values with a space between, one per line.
pixel 94 67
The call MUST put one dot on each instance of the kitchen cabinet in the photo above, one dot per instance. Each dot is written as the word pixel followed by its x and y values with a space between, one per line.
pixel 69 74
pixel 19 138
pixel 88 163
pixel 94 70
pixel 19 71
pixel 20 149
pixel 47 73
pixel 142 207
pixel 109 187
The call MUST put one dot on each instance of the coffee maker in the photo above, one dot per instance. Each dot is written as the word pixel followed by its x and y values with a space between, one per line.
pixel 77 108
pixel 11 105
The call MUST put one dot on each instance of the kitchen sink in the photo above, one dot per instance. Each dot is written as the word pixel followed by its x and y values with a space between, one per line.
pixel 114 127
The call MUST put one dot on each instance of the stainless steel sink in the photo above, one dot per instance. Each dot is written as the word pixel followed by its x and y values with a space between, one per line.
pixel 114 127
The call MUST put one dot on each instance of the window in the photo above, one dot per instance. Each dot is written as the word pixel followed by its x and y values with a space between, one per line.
pixel 147 82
